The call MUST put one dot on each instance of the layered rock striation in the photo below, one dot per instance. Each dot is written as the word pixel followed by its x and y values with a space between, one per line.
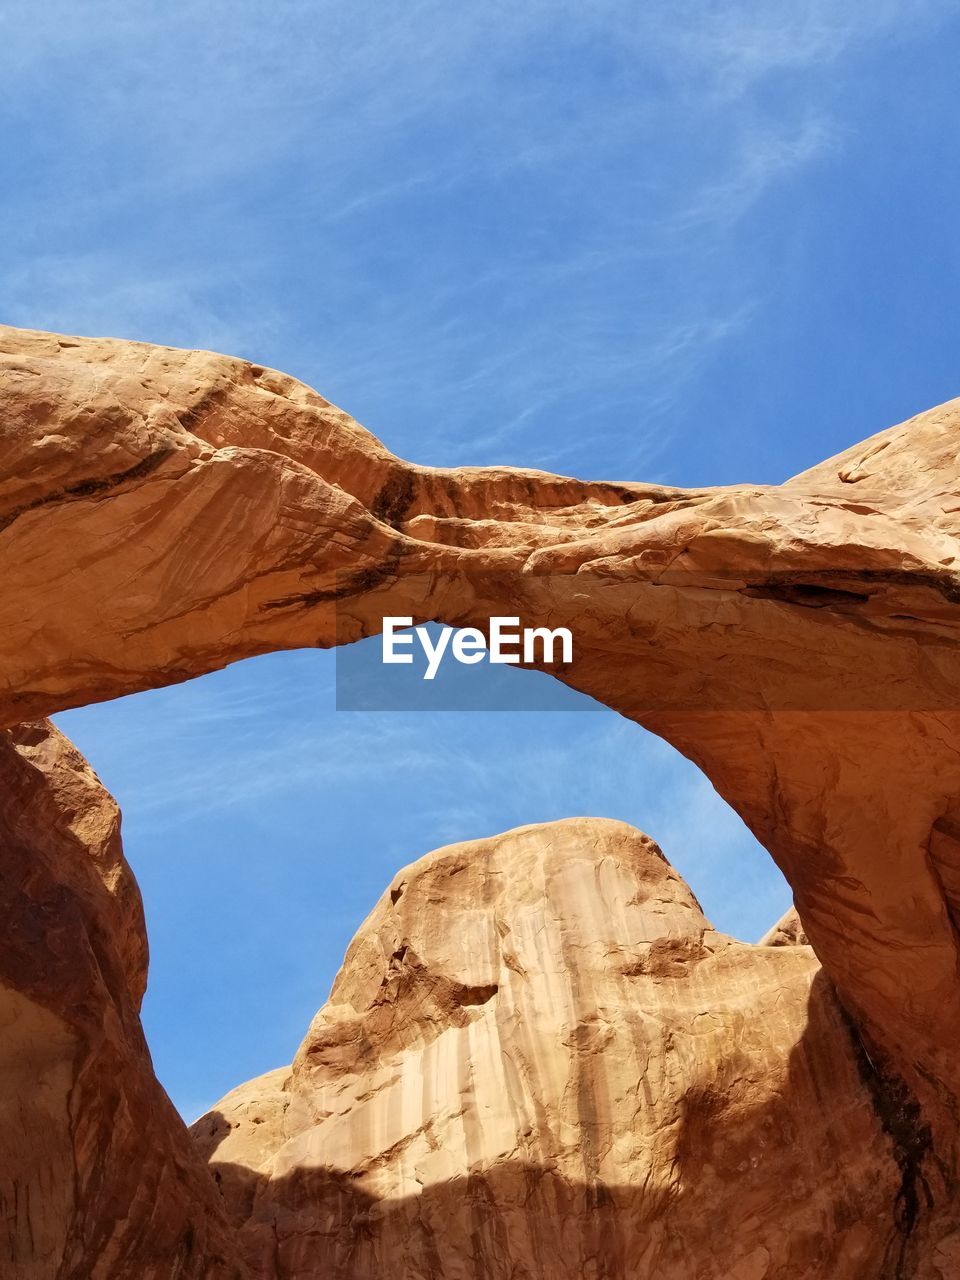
pixel 540 1061
pixel 163 513
pixel 98 1179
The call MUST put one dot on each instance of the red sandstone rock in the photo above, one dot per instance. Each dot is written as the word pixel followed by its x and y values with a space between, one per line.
pixel 787 932
pixel 167 512
pixel 97 1178
pixel 540 1060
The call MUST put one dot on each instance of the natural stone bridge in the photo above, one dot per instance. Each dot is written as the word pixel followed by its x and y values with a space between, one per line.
pixel 736 1111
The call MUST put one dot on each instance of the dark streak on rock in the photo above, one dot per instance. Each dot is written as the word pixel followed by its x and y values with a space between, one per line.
pixel 901 1119
pixel 394 500
pixel 356 585
pixel 92 488
pixel 452 489
pixel 848 586
pixel 191 418
pixel 810 595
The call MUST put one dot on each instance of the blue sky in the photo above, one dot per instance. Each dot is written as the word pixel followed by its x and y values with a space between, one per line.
pixel 689 243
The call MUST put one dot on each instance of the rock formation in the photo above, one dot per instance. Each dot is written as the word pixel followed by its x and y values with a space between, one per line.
pixel 98 1180
pixel 787 932
pixel 163 513
pixel 540 1061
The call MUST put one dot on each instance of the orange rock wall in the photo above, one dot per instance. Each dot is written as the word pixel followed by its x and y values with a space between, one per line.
pixel 164 513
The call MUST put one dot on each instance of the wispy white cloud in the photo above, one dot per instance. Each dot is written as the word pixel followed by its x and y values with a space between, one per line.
pixel 460 225
pixel 94 294
pixel 258 741
pixel 763 158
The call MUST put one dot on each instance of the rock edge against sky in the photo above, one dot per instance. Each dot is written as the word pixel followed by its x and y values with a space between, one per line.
pixel 167 512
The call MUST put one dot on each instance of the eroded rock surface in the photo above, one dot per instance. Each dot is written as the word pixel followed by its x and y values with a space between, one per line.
pixel 165 512
pixel 539 1060
pixel 787 932
pixel 98 1180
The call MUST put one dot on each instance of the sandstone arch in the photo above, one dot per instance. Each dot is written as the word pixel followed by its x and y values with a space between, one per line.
pixel 166 512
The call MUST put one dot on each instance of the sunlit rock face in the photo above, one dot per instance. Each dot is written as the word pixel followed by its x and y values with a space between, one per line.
pixel 163 513
pixel 540 1060
pixel 787 932
pixel 98 1180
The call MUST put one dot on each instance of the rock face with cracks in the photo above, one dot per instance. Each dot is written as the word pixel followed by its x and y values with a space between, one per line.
pixel 98 1180
pixel 163 513
pixel 539 1060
